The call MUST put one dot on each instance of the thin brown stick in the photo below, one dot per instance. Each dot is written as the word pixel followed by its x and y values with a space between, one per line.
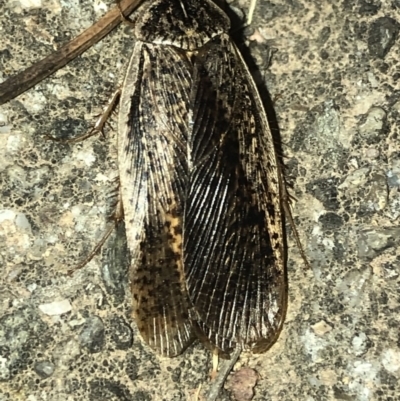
pixel 225 368
pixel 28 78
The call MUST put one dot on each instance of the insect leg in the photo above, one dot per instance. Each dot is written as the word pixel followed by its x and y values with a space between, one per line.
pixel 124 18
pixel 288 213
pixel 251 12
pixel 214 371
pixel 117 217
pixel 99 125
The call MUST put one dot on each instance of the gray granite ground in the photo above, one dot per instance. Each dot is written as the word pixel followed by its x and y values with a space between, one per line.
pixel 334 78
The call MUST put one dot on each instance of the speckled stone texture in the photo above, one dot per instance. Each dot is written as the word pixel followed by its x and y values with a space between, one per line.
pixel 334 82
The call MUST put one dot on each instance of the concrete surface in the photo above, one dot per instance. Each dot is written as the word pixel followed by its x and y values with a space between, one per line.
pixel 334 79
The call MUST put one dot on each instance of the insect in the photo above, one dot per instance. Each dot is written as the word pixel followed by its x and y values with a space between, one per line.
pixel 201 186
pixel 200 182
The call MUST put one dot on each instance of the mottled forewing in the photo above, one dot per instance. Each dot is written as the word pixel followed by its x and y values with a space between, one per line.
pixel 152 148
pixel 233 235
